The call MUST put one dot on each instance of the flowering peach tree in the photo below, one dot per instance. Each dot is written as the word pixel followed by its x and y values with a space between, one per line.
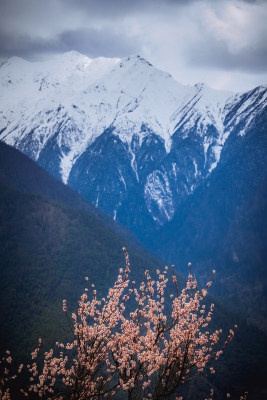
pixel 124 351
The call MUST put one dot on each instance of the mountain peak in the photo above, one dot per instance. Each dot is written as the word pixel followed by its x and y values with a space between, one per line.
pixel 74 54
pixel 201 86
pixel 3 60
pixel 134 59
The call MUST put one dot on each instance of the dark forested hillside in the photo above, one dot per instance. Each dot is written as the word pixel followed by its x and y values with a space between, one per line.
pixel 20 172
pixel 50 239
pixel 46 250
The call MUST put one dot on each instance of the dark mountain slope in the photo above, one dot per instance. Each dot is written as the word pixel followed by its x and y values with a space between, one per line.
pixel 50 238
pixel 20 172
pixel 224 224
pixel 46 250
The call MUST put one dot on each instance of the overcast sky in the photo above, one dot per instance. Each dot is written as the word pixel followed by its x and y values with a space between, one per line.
pixel 220 42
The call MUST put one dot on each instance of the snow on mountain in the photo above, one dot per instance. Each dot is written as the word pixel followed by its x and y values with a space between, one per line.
pixel 36 99
pixel 246 108
pixel 120 129
pixel 26 87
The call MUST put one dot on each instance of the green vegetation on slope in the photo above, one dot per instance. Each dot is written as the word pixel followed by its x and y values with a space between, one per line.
pixel 46 250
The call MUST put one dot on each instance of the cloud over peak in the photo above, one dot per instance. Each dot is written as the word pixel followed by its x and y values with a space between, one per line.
pixel 192 39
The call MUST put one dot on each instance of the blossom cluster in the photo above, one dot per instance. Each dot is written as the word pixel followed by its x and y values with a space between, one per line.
pixel 117 347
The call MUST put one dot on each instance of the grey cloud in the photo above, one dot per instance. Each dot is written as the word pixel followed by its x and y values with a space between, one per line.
pixel 107 40
pixel 121 6
pixel 94 43
pixel 91 42
pixel 37 8
pixel 106 8
pixel 255 1
pixel 216 54
pixel 25 46
pixel 92 8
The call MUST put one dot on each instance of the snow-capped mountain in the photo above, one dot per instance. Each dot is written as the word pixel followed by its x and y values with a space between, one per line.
pixel 124 134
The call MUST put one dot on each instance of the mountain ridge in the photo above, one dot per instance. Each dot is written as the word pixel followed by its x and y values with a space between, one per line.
pixel 170 136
